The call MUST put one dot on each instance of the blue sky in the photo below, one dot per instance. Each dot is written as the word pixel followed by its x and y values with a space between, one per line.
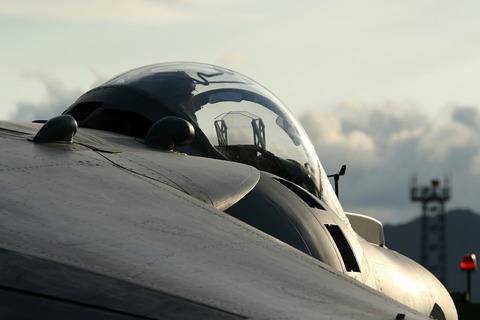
pixel 412 64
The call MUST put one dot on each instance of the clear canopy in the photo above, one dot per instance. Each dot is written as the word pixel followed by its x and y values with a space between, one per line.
pixel 240 118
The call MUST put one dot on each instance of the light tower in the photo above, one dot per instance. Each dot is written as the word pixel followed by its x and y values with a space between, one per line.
pixel 432 232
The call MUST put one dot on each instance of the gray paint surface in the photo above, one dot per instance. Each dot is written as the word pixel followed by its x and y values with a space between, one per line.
pixel 68 204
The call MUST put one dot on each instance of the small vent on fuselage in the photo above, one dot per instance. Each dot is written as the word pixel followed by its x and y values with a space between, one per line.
pixel 82 110
pixel 344 247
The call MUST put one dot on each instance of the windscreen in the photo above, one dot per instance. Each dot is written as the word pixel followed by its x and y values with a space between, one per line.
pixel 239 117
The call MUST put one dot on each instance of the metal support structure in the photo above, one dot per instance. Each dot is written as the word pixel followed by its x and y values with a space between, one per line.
pixel 222 132
pixel 259 133
pixel 433 228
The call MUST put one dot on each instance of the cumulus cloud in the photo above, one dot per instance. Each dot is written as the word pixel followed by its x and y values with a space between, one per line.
pixel 468 116
pixel 384 146
pixel 57 99
pixel 328 131
pixel 439 140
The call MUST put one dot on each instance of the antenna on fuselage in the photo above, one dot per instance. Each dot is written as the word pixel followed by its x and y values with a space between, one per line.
pixel 336 177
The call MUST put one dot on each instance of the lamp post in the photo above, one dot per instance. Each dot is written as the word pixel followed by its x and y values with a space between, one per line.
pixel 469 264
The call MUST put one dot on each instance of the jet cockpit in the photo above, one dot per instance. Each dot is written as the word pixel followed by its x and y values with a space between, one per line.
pixel 233 116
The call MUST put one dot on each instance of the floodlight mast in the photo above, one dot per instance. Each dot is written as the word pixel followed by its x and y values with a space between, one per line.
pixel 433 234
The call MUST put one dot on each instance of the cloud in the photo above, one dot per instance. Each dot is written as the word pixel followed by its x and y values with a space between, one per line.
pixel 367 134
pixel 132 11
pixel 57 99
pixel 468 116
pixel 336 141
pixel 383 146
pixel 441 139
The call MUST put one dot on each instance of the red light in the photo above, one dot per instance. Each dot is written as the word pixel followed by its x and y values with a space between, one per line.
pixel 469 262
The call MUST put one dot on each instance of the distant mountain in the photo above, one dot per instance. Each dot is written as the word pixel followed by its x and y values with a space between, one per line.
pixel 463 237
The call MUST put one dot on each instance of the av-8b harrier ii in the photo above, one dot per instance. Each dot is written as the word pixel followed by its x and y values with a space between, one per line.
pixel 188 191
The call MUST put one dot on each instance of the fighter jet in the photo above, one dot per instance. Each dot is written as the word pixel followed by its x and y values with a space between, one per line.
pixel 188 191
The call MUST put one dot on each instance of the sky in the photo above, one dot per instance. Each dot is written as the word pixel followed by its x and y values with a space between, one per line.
pixel 388 88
